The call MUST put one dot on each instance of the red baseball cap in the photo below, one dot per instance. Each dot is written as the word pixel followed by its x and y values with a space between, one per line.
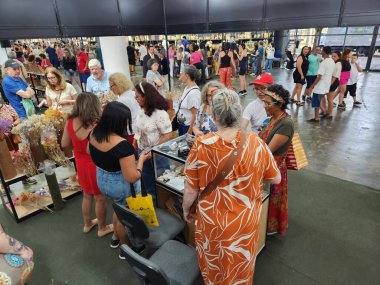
pixel 263 79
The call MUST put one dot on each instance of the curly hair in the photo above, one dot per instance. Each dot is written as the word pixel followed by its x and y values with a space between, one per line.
pixel 282 92
pixel 152 98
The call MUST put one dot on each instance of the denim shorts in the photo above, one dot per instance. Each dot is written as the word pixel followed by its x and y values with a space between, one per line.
pixel 114 186
pixel 316 100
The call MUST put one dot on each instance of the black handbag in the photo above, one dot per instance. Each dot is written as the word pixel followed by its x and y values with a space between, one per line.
pixel 175 123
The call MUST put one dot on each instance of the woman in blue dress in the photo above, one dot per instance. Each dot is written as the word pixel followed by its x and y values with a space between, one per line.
pixel 204 122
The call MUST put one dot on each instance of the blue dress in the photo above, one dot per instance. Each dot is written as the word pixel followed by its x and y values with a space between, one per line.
pixel 208 124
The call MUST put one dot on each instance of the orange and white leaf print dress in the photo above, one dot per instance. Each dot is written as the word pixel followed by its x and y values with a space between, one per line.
pixel 226 230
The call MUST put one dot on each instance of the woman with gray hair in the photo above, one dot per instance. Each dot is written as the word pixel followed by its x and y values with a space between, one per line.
pixel 204 122
pixel 190 100
pixel 228 213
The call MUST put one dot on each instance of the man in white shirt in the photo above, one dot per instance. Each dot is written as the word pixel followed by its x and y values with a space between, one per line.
pixel 142 52
pixel 321 85
pixel 98 82
pixel 354 74
pixel 255 111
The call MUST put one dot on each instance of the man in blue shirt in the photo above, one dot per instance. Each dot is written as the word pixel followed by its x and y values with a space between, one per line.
pixel 185 42
pixel 259 58
pixel 98 82
pixel 15 88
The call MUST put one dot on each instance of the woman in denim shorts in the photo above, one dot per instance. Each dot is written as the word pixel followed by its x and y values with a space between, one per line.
pixel 115 160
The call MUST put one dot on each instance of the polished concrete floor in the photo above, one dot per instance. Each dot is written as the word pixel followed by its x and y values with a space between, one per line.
pixel 332 239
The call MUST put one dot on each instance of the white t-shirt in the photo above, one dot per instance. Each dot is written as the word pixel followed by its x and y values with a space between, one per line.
pixel 56 96
pixel 143 52
pixel 354 74
pixel 189 101
pixel 326 69
pixel 128 99
pixel 150 129
pixel 337 70
pixel 270 53
pixel 256 114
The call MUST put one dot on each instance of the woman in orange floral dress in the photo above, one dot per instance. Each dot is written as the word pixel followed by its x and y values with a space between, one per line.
pixel 227 220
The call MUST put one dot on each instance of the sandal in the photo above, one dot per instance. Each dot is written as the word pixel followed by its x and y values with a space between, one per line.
pixel 94 222
pixel 300 104
pixel 293 101
pixel 106 231
pixel 313 120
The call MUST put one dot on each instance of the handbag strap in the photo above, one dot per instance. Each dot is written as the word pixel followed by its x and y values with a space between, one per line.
pixel 180 103
pixel 235 154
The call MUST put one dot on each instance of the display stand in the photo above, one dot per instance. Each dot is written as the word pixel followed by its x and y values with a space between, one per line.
pixel 165 157
pixel 14 185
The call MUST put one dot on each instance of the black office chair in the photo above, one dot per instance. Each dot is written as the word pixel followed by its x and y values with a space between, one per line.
pixel 138 231
pixel 172 264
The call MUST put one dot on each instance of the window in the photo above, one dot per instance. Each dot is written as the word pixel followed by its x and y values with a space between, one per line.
pixel 366 30
pixel 333 31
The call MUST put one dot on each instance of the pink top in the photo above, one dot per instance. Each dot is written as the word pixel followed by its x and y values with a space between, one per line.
pixel 171 53
pixel 196 57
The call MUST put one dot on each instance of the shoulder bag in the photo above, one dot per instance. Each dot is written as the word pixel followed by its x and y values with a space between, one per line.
pixel 175 123
pixel 235 154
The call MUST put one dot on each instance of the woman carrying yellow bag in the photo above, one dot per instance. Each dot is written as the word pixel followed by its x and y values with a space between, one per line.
pixel 115 160
pixel 142 204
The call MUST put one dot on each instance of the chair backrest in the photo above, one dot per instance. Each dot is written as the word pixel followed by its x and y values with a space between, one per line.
pixel 134 222
pixel 147 271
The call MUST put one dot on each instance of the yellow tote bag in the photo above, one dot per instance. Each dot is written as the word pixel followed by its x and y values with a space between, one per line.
pixel 296 157
pixel 142 204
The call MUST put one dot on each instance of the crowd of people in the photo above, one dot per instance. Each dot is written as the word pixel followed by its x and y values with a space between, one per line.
pixel 112 141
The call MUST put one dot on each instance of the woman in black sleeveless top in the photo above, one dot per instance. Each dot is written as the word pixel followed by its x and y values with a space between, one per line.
pixel 225 62
pixel 299 75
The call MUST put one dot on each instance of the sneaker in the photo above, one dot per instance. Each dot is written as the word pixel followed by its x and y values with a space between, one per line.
pixel 357 103
pixel 29 181
pixel 121 256
pixel 252 74
pixel 115 243
pixel 341 107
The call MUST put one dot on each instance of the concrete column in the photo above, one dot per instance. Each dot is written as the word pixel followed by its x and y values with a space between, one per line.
pixel 3 55
pixel 115 57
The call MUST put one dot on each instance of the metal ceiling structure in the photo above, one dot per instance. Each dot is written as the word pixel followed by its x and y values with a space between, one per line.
pixel 69 18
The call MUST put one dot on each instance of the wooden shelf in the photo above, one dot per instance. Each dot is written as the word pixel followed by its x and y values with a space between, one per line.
pixel 27 210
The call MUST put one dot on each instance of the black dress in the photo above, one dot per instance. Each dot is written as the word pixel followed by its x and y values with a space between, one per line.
pixel 297 75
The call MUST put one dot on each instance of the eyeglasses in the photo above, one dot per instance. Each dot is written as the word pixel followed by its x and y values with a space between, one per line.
pixel 51 78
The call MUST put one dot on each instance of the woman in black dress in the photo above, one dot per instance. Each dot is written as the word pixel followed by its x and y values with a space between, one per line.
pixel 299 75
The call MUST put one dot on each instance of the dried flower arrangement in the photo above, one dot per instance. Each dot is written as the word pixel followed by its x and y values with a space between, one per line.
pixel 23 160
pixel 51 147
pixel 29 199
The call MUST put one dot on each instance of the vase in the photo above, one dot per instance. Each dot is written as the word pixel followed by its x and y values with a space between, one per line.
pixel 55 192
pixel 38 154
pixel 6 164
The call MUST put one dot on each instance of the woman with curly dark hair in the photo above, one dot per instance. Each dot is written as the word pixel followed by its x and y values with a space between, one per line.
pixel 153 127
pixel 278 134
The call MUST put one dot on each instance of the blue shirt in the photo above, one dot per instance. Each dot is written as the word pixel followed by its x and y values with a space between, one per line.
pixel 313 64
pixel 11 86
pixel 260 52
pixel 98 86
pixel 185 42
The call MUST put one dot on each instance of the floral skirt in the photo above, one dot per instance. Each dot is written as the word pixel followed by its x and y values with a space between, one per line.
pixel 278 201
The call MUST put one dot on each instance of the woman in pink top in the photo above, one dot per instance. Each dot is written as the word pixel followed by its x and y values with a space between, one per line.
pixel 196 57
pixel 171 51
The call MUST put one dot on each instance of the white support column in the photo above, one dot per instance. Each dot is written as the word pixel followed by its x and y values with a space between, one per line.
pixel 115 56
pixel 3 55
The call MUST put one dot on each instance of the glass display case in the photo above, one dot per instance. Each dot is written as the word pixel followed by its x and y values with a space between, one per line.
pixel 169 161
